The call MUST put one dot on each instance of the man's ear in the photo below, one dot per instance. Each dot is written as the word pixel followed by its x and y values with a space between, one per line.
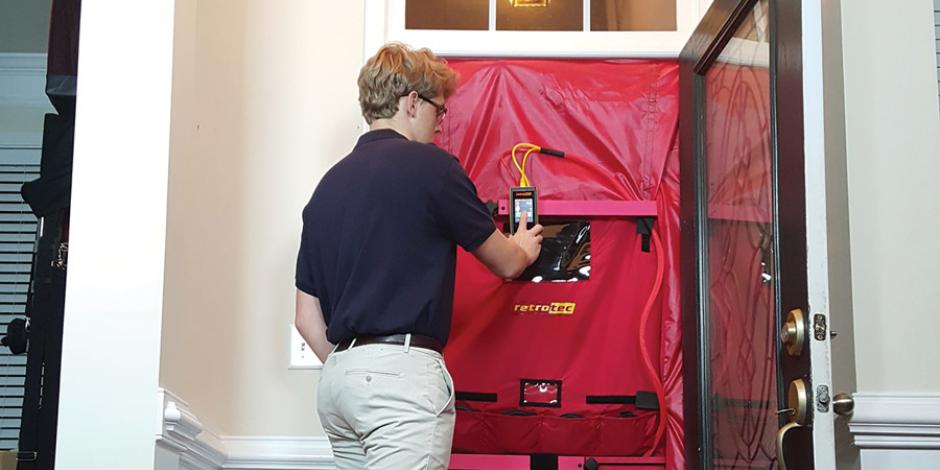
pixel 410 104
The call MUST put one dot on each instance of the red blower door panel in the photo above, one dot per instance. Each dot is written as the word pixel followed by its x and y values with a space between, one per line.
pixel 585 358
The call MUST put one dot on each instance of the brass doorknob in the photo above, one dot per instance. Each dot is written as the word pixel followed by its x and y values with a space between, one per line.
pixel 843 404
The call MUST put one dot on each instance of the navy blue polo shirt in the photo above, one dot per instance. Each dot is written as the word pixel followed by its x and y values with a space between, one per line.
pixel 379 240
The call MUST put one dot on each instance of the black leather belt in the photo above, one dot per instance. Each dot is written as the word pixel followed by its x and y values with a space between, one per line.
pixel 417 341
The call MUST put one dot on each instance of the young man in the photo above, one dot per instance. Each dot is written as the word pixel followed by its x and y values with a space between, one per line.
pixel 375 272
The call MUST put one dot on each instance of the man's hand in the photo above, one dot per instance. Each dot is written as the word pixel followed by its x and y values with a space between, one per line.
pixel 530 240
pixel 507 257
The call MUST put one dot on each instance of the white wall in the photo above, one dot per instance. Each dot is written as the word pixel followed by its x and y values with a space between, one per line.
pixel 893 144
pixel 109 413
pixel 264 103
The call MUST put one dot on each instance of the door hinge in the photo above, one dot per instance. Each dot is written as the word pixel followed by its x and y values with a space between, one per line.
pixel 819 327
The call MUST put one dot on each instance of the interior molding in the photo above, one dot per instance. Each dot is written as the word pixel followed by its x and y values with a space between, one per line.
pixel 278 453
pixel 194 447
pixel 183 434
pixel 896 421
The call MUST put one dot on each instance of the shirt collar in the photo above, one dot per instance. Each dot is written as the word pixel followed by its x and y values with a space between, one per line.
pixel 379 134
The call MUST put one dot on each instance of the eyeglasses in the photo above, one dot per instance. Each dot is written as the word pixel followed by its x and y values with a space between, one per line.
pixel 441 109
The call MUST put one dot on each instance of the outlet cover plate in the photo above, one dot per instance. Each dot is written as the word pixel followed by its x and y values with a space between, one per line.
pixel 301 354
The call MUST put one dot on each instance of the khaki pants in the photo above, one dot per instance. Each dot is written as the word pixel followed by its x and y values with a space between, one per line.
pixel 387 407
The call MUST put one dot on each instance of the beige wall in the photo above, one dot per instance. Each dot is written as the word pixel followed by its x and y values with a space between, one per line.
pixel 24 25
pixel 893 143
pixel 264 103
pixel 203 217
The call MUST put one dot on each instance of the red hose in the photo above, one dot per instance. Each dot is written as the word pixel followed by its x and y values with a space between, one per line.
pixel 647 361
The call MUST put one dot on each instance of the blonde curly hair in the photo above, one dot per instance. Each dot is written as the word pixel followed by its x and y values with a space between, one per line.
pixel 396 70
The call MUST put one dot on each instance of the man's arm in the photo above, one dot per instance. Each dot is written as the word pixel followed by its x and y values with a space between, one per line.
pixel 309 322
pixel 508 257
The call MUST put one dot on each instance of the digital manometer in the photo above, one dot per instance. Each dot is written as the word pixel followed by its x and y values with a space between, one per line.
pixel 523 199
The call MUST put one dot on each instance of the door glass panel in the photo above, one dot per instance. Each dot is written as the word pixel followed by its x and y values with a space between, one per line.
pixel 633 15
pixel 447 14
pixel 540 15
pixel 741 271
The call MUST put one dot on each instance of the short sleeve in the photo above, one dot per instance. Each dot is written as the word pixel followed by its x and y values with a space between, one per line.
pixel 459 212
pixel 304 276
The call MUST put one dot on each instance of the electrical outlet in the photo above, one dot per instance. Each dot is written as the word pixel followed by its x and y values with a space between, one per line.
pixel 301 354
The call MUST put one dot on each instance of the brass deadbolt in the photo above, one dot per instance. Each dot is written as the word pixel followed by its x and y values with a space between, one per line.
pixel 793 333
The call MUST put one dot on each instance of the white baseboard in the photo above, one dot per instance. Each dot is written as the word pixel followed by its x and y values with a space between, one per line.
pixel 184 444
pixel 278 453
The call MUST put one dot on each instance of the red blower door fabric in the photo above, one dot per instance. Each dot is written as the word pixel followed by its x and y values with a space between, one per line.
pixel 554 367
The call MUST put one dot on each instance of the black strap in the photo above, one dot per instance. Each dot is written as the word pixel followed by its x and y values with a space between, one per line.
pixel 476 396
pixel 642 400
pixel 644 227
pixel 611 399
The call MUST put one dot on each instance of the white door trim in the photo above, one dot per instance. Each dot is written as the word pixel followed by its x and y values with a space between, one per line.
pixel 896 421
pixel 817 252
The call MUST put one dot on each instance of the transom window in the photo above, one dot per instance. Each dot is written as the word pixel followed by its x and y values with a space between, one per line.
pixel 541 15
pixel 535 28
